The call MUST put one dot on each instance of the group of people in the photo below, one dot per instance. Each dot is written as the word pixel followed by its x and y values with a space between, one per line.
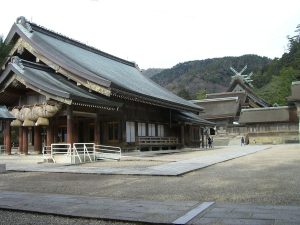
pixel 210 141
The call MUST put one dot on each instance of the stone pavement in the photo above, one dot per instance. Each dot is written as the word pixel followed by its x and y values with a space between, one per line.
pixel 159 212
pixel 167 169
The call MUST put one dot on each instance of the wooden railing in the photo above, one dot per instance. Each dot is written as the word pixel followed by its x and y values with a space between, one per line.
pixel 157 141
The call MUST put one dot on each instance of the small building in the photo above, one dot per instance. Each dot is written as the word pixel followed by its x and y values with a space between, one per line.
pixel 63 91
pixel 274 125
pixel 224 108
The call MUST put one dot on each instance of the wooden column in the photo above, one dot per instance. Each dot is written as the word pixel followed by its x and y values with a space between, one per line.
pixel 75 130
pixel 202 138
pixel 97 130
pixel 37 140
pixel 69 125
pixel 25 140
pixel 182 134
pixel 8 137
pixel 50 133
pixel 20 140
pixel 4 132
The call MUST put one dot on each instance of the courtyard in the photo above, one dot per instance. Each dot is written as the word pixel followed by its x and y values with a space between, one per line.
pixel 268 177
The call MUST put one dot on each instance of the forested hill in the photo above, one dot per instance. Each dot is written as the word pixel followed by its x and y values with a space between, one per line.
pixel 151 72
pixel 273 83
pixel 193 78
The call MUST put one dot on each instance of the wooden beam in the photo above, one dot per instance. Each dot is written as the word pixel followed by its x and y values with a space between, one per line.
pixel 69 124
pixel 50 133
pixel 37 140
pixel 25 140
pixel 97 130
pixel 21 140
pixel 8 137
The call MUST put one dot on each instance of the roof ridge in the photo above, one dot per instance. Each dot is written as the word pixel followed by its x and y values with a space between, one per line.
pixel 35 27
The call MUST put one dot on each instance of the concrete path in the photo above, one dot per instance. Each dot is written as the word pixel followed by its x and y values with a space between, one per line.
pixel 159 212
pixel 168 169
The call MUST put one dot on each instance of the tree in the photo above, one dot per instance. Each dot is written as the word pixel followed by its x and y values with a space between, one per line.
pixel 201 94
pixel 4 50
pixel 183 93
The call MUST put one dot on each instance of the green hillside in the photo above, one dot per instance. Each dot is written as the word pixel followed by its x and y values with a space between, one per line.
pixel 273 82
pixel 210 75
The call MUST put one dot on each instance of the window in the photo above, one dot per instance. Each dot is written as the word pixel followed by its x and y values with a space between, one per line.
pixel 141 129
pixel 62 134
pixel 130 131
pixel 113 130
pixel 151 129
pixel 160 130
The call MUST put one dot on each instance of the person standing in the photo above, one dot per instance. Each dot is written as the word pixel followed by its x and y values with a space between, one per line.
pixel 209 142
pixel 242 141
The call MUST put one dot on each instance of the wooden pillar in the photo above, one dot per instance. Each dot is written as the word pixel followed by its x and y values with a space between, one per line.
pixel 69 125
pixel 202 137
pixel 75 130
pixel 97 130
pixel 25 140
pixel 20 140
pixel 55 129
pixel 50 133
pixel 37 140
pixel 8 137
pixel 182 134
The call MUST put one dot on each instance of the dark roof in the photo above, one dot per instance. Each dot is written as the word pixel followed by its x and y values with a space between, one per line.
pixel 43 80
pixel 261 102
pixel 192 118
pixel 94 65
pixel 217 108
pixel 266 115
pixel 5 114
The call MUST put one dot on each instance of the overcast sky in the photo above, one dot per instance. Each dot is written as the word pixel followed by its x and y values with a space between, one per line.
pixel 162 33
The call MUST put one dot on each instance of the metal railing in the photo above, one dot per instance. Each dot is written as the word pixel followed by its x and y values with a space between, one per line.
pixel 108 152
pixel 84 151
pixel 47 153
pixel 81 152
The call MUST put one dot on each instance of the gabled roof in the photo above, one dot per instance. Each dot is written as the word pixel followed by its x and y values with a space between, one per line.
pixel 96 66
pixel 219 108
pixel 267 115
pixel 248 90
pixel 43 80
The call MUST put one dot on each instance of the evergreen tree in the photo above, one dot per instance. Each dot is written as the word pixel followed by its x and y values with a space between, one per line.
pixel 4 50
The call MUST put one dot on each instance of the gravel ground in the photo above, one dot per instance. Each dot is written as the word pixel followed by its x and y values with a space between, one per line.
pixel 8 217
pixel 267 177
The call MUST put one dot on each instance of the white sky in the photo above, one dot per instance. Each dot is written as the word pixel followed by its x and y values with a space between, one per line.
pixel 162 33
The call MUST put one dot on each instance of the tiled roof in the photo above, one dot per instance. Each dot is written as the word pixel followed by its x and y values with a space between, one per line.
pixel 95 65
pixel 41 78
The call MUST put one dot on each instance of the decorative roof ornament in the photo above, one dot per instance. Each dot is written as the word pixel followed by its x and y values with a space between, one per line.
pixel 22 21
pixel 244 77
pixel 16 60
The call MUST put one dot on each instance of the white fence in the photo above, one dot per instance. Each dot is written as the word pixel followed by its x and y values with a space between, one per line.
pixel 80 153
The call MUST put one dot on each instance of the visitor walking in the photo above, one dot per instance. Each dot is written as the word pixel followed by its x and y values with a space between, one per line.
pixel 242 141
pixel 209 142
